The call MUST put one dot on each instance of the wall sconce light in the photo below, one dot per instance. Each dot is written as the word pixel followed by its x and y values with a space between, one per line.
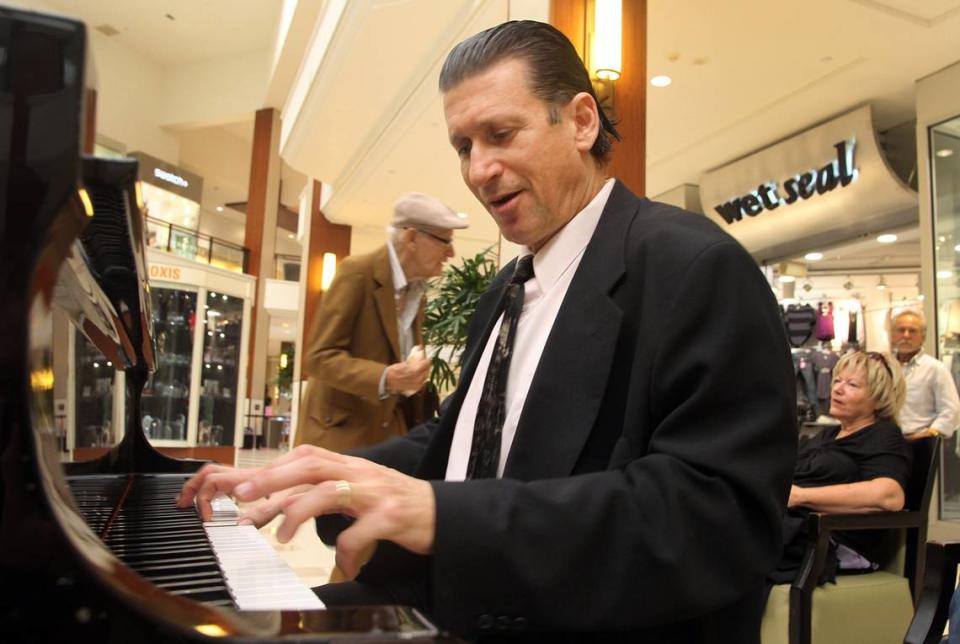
pixel 605 46
pixel 328 271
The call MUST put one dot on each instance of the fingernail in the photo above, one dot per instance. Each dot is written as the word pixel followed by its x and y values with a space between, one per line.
pixel 243 489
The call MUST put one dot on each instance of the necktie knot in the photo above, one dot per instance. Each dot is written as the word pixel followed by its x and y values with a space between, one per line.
pixel 523 270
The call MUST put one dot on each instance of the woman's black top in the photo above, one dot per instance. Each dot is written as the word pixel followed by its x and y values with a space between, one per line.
pixel 876 451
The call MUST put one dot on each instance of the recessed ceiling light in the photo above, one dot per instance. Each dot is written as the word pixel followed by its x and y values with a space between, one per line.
pixel 661 81
pixel 944 275
pixel 887 238
pixel 291 236
pixel 219 208
pixel 786 279
pixel 944 153
pixel 813 257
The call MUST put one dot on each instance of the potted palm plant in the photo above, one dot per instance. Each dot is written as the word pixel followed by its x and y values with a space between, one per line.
pixel 451 303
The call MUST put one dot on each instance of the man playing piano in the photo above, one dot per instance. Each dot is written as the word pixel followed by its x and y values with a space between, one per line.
pixel 617 457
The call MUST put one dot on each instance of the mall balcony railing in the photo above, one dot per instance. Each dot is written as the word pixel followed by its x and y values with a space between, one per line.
pixel 287 268
pixel 189 244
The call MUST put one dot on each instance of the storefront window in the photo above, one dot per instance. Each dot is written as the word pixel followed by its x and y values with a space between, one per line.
pixel 945 175
pixel 166 398
pixel 221 360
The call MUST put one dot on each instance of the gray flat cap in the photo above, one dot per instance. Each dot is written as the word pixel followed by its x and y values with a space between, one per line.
pixel 417 209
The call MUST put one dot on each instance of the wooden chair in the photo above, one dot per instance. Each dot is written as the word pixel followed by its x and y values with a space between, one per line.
pixel 939 582
pixel 872 607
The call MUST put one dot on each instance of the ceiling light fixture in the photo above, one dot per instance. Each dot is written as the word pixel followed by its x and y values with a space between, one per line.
pixel 881 284
pixel 887 238
pixel 813 257
pixel 219 208
pixel 943 275
pixel 661 80
pixel 944 153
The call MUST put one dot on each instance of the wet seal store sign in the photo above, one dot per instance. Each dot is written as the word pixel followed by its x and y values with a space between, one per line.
pixel 769 195
pixel 825 185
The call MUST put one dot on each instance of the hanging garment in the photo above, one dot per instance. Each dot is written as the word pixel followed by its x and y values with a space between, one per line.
pixel 825 321
pixel 823 363
pixel 852 327
pixel 803 367
pixel 799 320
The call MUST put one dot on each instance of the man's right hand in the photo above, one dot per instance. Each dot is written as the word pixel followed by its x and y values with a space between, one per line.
pixel 923 433
pixel 407 376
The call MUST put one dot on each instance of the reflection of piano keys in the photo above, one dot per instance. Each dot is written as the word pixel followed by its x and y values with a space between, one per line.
pixel 107 558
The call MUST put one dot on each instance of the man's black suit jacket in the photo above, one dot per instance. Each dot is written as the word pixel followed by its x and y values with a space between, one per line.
pixel 644 490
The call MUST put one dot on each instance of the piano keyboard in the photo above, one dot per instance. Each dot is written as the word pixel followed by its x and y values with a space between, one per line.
pixel 257 577
pixel 218 563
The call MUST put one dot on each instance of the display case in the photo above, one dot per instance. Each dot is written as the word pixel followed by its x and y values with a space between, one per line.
pixel 221 369
pixel 193 403
pixel 166 397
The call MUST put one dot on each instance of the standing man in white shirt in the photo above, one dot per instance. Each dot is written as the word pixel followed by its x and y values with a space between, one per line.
pixel 932 406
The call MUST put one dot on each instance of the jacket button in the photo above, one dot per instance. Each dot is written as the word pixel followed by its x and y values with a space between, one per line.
pixel 484 622
pixel 504 623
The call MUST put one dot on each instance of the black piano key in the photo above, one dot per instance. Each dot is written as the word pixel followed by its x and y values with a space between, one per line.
pixel 136 517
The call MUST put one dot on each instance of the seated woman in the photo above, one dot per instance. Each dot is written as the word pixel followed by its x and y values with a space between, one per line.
pixel 860 466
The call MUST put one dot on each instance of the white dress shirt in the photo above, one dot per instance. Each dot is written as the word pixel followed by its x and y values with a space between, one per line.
pixel 932 399
pixel 554 267
pixel 406 310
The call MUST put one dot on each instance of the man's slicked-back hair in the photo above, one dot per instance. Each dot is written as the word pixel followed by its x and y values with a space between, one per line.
pixel 555 72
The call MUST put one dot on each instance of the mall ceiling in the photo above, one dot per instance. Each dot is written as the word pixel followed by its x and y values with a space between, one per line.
pixel 746 73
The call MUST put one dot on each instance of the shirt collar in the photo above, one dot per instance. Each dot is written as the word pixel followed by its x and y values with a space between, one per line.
pixel 562 249
pixel 915 358
pixel 399 279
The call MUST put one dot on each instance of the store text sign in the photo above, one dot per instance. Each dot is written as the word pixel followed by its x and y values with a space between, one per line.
pixel 170 177
pixel 168 273
pixel 839 172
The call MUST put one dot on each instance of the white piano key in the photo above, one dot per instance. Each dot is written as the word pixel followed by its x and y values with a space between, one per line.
pixel 258 579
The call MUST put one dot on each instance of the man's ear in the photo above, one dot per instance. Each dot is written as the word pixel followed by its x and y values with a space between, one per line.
pixel 586 120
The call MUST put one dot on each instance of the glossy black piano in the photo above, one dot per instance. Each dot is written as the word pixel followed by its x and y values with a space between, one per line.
pixel 96 551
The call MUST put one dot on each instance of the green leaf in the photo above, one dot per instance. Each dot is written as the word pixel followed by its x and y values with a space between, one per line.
pixel 451 302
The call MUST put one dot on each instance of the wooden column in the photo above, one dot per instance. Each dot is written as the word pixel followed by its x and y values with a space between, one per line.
pixel 323 237
pixel 630 94
pixel 260 237
pixel 89 120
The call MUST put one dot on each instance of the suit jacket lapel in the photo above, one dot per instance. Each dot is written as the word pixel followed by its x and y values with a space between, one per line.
pixel 571 377
pixel 383 295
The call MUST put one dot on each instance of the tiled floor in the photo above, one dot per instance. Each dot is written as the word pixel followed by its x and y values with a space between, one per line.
pixel 305 553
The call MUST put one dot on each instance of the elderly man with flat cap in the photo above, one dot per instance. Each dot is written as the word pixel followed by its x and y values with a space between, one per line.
pixel 364 360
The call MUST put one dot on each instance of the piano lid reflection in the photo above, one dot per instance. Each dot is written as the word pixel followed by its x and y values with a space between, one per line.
pixel 103 554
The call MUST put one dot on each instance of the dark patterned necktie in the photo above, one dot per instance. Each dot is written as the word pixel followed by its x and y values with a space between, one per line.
pixel 492 408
